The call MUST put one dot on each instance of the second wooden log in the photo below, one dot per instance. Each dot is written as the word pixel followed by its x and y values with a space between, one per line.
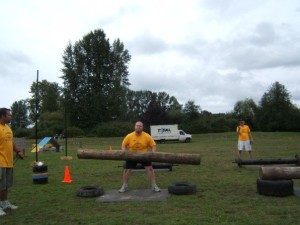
pixel 279 173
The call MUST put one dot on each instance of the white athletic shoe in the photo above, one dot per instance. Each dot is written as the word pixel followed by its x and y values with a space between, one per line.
pixel 8 205
pixel 2 213
pixel 123 189
pixel 155 188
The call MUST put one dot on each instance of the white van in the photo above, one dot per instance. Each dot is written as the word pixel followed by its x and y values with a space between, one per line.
pixel 163 133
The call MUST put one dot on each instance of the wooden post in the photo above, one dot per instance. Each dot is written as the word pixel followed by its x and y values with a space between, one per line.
pixel 279 173
pixel 180 158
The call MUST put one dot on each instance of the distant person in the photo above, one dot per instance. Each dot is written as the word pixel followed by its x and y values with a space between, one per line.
pixel 245 139
pixel 138 141
pixel 7 149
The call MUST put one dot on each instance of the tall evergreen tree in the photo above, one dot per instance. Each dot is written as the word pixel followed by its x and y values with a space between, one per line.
pixel 152 107
pixel 275 109
pixel 120 82
pixel 155 114
pixel 191 111
pixel 48 98
pixel 246 109
pixel 95 77
pixel 20 117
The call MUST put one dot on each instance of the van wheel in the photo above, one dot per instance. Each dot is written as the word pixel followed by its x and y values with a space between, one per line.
pixel 275 187
pixel 187 140
pixel 182 188
pixel 162 141
pixel 90 191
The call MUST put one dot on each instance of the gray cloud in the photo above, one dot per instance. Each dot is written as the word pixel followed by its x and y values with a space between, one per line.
pixel 213 52
pixel 12 62
pixel 264 47
pixel 146 44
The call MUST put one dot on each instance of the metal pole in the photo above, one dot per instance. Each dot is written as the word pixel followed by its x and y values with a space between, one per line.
pixel 66 130
pixel 36 116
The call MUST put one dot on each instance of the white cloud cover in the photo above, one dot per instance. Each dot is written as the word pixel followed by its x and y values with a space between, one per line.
pixel 212 52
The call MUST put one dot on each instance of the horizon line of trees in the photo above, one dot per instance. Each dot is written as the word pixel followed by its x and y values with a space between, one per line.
pixel 95 100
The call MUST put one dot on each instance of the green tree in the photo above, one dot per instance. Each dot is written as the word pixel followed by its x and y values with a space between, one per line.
pixel 174 104
pixel 155 114
pixel 294 122
pixel 48 98
pixel 152 107
pixel 95 76
pixel 247 110
pixel 119 58
pixel 191 111
pixel 275 109
pixel 19 114
pixel 50 124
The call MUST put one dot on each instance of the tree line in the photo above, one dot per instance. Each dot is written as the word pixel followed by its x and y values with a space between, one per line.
pixel 95 100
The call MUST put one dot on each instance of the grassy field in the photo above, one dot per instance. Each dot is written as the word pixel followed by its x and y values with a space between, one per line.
pixel 226 194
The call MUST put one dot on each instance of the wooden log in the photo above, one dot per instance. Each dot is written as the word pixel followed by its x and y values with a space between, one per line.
pixel 241 162
pixel 279 173
pixel 180 158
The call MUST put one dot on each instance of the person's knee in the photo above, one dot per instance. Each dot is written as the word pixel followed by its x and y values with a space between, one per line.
pixel 149 169
pixel 127 171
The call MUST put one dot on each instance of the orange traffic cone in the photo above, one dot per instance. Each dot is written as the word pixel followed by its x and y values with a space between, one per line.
pixel 67 178
pixel 110 148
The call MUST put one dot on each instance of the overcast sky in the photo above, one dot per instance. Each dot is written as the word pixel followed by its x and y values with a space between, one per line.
pixel 212 52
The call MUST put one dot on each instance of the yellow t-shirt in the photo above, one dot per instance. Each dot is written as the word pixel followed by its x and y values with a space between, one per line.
pixel 139 143
pixel 6 146
pixel 244 132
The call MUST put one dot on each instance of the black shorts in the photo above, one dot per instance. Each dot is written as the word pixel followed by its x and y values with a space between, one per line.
pixel 133 164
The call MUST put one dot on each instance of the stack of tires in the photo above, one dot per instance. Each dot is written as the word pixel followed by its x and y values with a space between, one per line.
pixel 40 174
pixel 277 181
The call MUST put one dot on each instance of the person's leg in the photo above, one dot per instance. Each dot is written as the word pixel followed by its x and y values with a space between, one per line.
pixel 3 195
pixel 127 170
pixel 3 184
pixel 124 187
pixel 8 182
pixel 248 148
pixel 151 177
pixel 126 173
pixel 240 148
pixel 3 191
pixel 250 154
pixel 239 154
pixel 150 174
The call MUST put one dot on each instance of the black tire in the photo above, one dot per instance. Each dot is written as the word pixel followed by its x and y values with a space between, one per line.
pixel 279 188
pixel 43 180
pixel 40 169
pixel 162 141
pixel 188 140
pixel 90 191
pixel 182 188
